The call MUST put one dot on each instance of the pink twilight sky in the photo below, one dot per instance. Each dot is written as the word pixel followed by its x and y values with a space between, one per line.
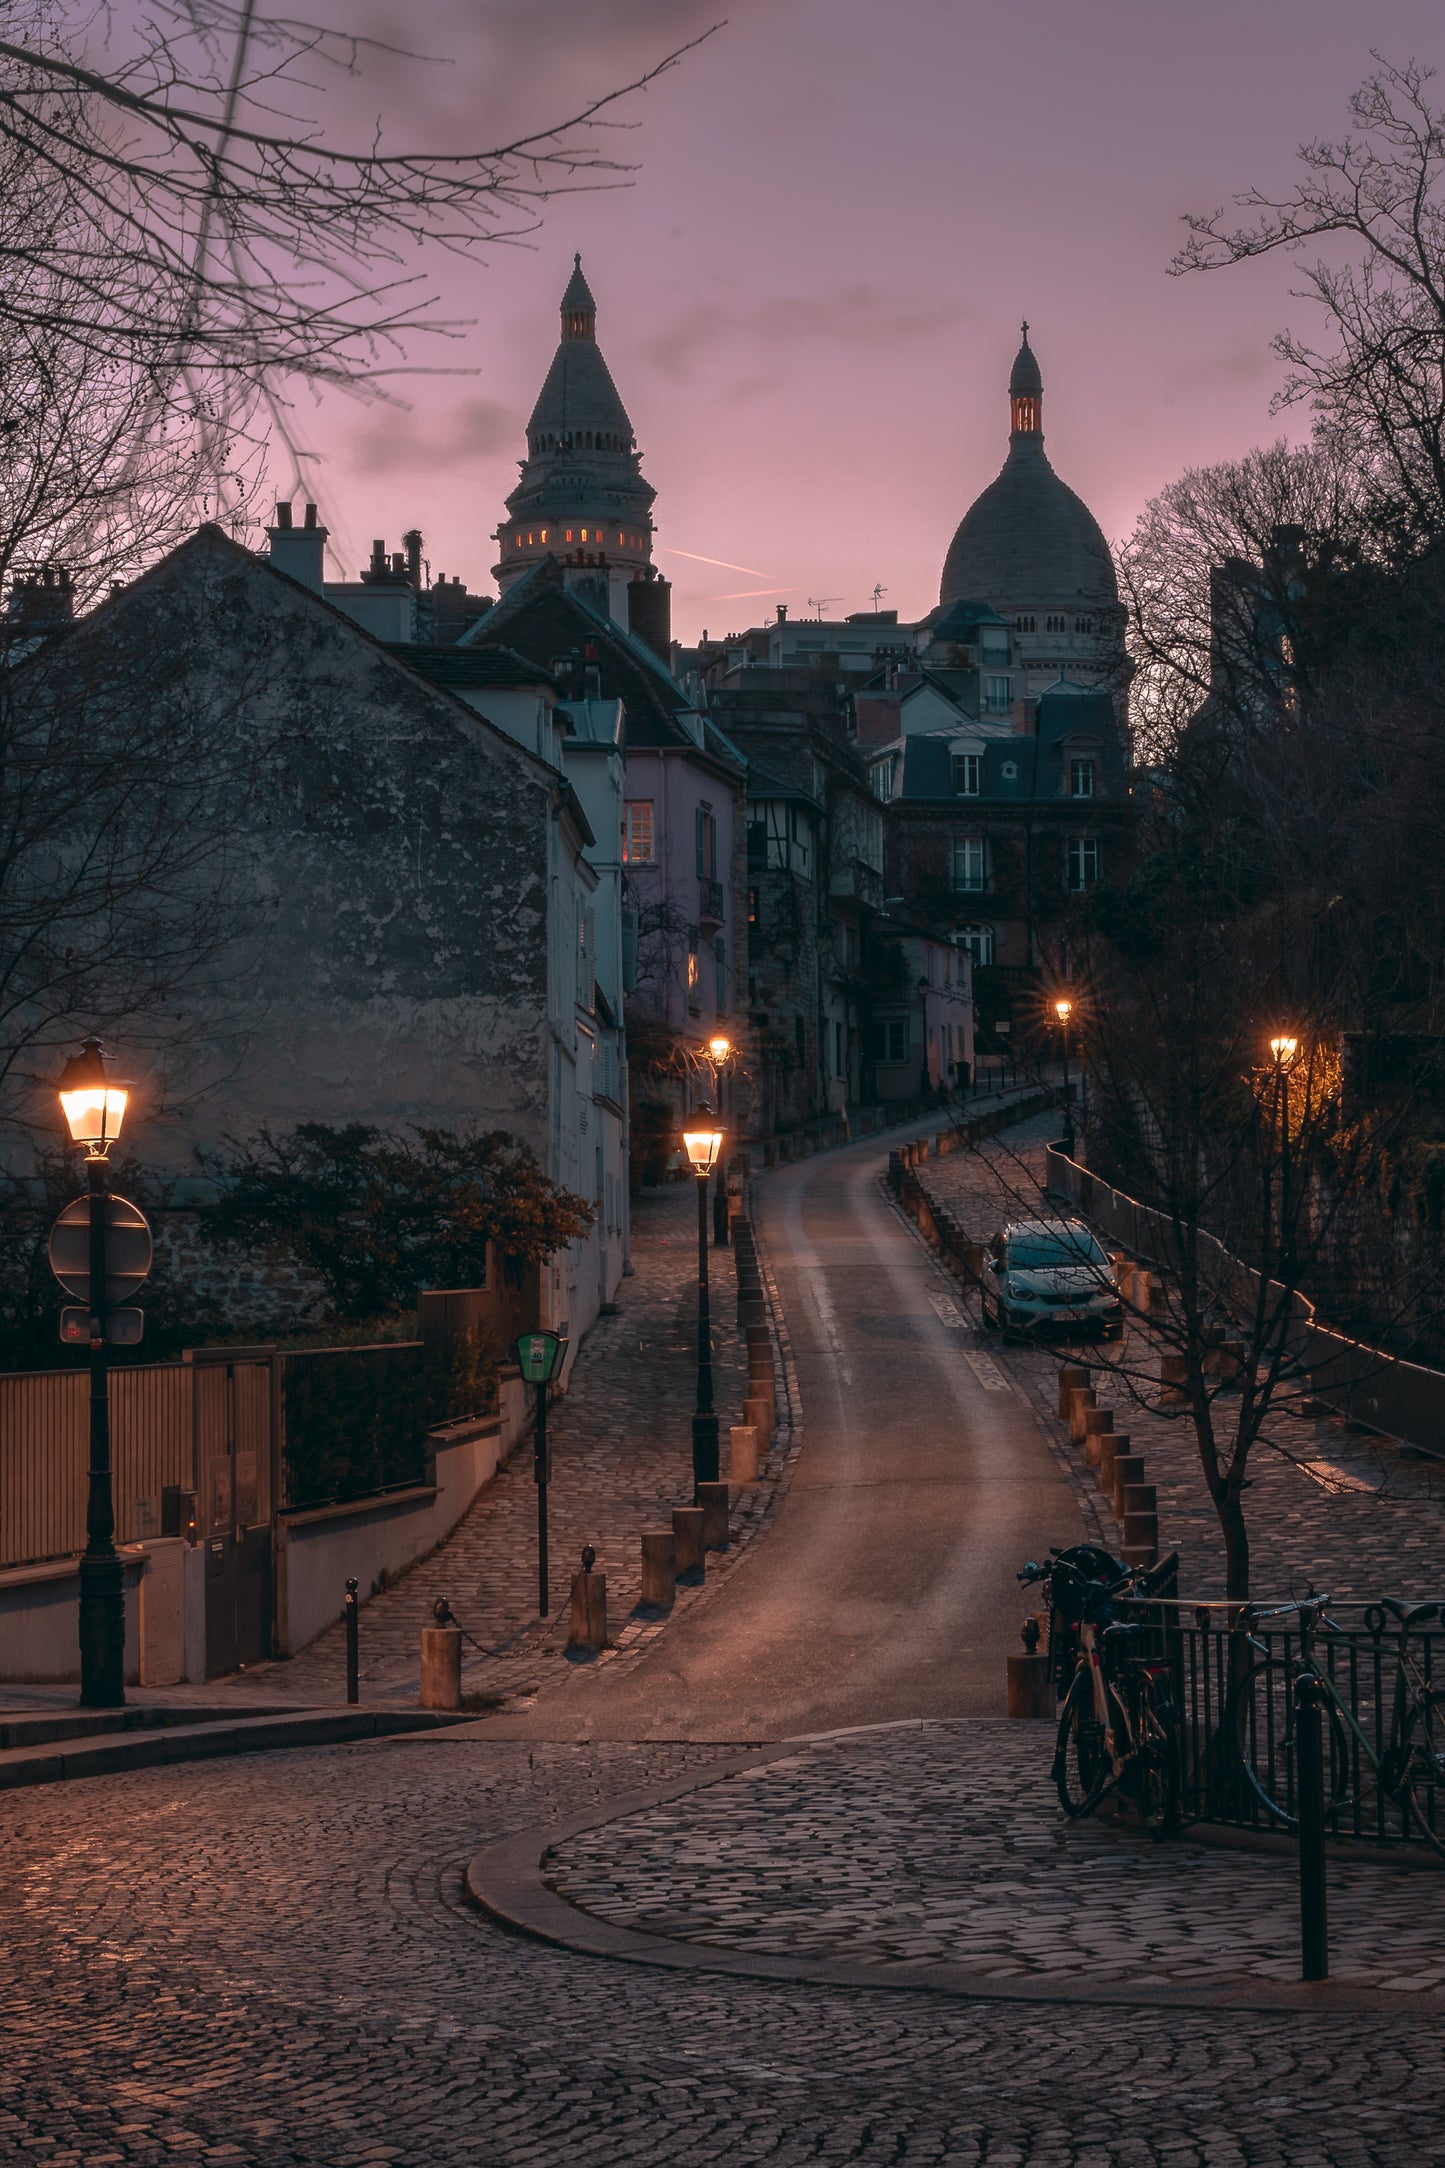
pixel 810 293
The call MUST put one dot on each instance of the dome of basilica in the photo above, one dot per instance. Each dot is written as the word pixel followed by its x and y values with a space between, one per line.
pixel 1028 540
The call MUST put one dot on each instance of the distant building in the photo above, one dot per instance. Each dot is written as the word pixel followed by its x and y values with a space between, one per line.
pixel 582 498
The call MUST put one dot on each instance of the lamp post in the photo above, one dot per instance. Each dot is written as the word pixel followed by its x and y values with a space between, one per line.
pixel 703 1142
pixel 1283 1050
pixel 540 1357
pixel 1063 1010
pixel 94 1108
pixel 719 1053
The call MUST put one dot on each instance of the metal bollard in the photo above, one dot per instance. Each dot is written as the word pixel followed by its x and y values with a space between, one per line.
pixel 1314 1934
pixel 353 1643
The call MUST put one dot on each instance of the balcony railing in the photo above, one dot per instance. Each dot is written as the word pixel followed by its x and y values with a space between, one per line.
pixel 710 902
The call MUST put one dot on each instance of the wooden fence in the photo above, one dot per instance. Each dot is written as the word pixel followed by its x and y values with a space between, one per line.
pixel 44 1453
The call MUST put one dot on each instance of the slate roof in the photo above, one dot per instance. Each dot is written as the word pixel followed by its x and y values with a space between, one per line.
pixel 578 393
pixel 493 668
pixel 1027 377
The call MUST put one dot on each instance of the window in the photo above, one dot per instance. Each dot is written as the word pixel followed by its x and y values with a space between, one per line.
pixel 1010 771
pixel 967 774
pixel 968 864
pixel 1027 624
pixel 637 836
pixel 586 957
pixel 840 1058
pixel 1081 778
pixel 694 967
pixel 978 940
pixel 569 534
pixel 1083 624
pixel 1083 863
pixel 891 1039
pixel 882 779
pixel 996 693
pixel 1054 624
pixel 705 838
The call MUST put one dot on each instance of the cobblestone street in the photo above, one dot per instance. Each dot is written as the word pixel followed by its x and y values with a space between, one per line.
pixel 272 1963
pixel 1329 1505
pixel 943 1844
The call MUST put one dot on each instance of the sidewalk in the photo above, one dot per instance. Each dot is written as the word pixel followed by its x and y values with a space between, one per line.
pixel 1328 1503
pixel 622 1459
pixel 941 1848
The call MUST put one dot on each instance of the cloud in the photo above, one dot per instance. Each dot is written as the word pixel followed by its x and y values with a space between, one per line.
pixel 392 443
pixel 856 316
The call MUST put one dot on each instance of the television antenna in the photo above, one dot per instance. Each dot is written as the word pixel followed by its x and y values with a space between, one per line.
pixel 879 591
pixel 820 602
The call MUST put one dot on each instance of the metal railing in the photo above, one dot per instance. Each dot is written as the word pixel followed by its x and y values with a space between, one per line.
pixel 1208 1652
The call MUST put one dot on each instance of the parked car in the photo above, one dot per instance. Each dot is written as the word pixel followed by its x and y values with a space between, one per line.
pixel 1042 1275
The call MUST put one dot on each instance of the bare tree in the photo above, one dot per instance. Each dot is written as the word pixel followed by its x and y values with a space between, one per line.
pixel 1379 390
pixel 179 236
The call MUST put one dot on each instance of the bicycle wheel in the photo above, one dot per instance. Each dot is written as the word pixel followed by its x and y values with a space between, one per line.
pixel 1421 1791
pixel 1081 1759
pixel 1261 1723
pixel 1153 1779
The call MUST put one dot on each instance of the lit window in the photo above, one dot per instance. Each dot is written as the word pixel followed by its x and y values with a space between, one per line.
pixel 1083 863
pixel 544 537
pixel 569 534
pixel 530 540
pixel 968 864
pixel 978 940
pixel 967 774
pixel 622 541
pixel 584 534
pixel 1081 779
pixel 638 848
pixel 518 543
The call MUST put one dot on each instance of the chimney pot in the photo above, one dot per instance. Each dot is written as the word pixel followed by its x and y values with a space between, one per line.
pixel 283 513
pixel 311 515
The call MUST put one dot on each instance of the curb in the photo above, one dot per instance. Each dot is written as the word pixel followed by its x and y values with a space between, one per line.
pixel 110 1753
pixel 508 1882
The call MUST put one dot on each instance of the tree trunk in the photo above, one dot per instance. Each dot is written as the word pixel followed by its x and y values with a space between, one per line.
pixel 1236 1547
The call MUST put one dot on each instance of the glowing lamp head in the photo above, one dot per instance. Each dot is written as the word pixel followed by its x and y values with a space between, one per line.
pixel 1063 1010
pixel 702 1142
pixel 718 1050
pixel 92 1103
pixel 1284 1051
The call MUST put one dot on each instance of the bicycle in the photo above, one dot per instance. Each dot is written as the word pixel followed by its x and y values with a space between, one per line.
pixel 1117 1726
pixel 1261 1719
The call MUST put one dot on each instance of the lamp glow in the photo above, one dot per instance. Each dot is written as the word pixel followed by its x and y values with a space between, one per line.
pixel 702 1147
pixel 93 1106
pixel 718 1050
pixel 1063 1010
pixel 1284 1051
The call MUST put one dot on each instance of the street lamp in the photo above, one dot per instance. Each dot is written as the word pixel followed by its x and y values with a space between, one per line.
pixel 1063 1010
pixel 1283 1049
pixel 94 1109
pixel 703 1141
pixel 719 1053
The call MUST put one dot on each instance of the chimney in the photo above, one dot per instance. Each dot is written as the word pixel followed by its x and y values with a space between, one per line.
pixel 411 543
pixel 299 552
pixel 41 601
pixel 649 612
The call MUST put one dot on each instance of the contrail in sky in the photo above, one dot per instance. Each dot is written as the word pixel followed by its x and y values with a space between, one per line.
pixel 746 594
pixel 751 570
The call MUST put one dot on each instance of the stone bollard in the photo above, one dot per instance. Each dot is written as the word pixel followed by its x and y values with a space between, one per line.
pixel 1070 1376
pixel 1098 1423
pixel 1141 1498
pixel 688 1544
pixel 742 1455
pixel 1173 1380
pixel 1142 1296
pixel 1128 1469
pixel 441 1667
pixel 714 1500
pixel 1110 1446
pixel 659 1567
pixel 589 1608
pixel 1081 1399
pixel 758 1416
pixel 1030 1688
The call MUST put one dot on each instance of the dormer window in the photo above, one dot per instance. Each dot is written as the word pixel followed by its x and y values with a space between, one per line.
pixel 1081 778
pixel 967 774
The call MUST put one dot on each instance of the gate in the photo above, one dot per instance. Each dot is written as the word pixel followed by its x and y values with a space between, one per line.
pixel 235 1495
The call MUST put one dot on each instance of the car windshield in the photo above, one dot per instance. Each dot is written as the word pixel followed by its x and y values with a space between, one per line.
pixel 1041 1253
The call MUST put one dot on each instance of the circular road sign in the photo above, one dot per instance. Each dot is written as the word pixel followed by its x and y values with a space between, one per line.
pixel 127 1249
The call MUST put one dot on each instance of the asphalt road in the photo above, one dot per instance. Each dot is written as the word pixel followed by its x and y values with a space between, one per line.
pixel 885 1588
